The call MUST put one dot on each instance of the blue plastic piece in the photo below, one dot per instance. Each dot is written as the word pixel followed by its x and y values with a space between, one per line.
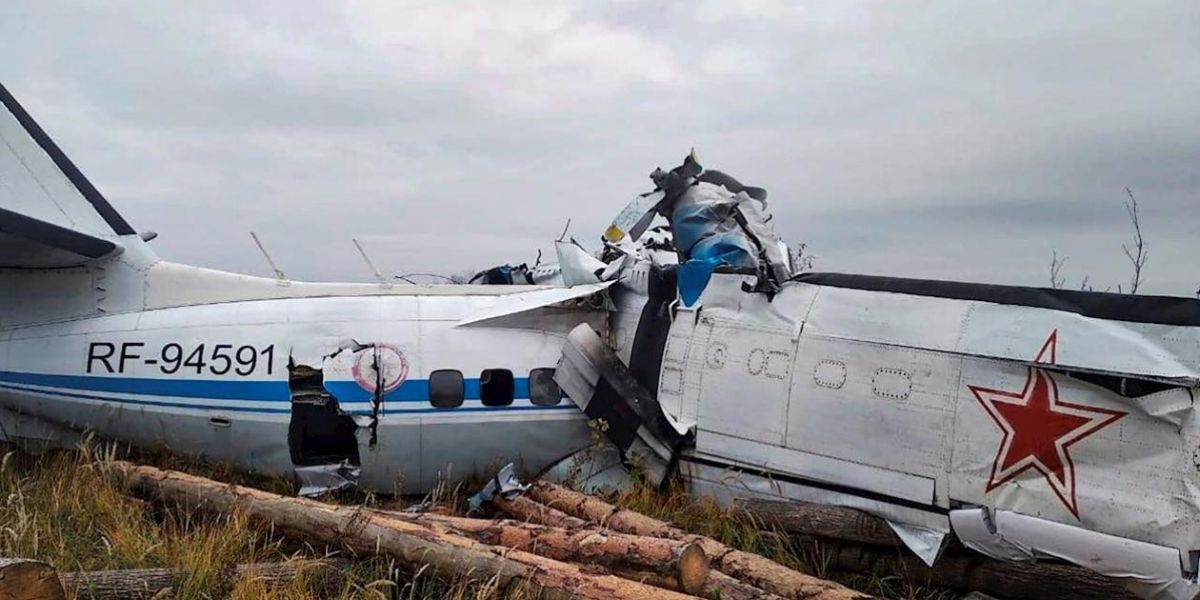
pixel 707 243
pixel 693 278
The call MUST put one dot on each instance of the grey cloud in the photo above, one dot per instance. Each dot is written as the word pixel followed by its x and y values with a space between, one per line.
pixel 964 140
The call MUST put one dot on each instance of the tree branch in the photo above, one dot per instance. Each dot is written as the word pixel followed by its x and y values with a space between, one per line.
pixel 1056 264
pixel 1138 254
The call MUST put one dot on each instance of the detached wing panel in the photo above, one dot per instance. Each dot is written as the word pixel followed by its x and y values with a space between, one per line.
pixel 50 214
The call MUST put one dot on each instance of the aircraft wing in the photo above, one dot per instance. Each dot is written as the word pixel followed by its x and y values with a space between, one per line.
pixel 513 304
pixel 51 216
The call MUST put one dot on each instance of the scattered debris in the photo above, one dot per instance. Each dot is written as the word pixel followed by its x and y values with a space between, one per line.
pixel 316 480
pixel 503 484
pixel 859 541
pixel 604 388
pixel 718 222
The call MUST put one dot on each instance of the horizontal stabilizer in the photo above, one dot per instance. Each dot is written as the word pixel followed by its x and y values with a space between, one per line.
pixel 28 243
pixel 50 214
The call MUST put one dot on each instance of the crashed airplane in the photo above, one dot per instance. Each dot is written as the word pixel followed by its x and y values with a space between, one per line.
pixel 1026 422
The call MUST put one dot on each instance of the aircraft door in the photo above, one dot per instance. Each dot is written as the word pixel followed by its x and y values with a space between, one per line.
pixel 679 382
pixel 748 371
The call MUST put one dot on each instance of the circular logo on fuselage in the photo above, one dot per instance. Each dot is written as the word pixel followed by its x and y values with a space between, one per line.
pixel 392 368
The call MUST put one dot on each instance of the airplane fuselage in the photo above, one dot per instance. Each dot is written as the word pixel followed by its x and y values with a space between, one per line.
pixel 1028 422
pixel 386 382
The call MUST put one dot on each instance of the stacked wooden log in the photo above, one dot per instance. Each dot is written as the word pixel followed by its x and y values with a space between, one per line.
pixel 560 543
pixel 738 574
pixel 22 579
pixel 589 549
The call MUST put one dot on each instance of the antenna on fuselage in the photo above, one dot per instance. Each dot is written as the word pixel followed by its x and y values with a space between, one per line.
pixel 278 274
pixel 370 265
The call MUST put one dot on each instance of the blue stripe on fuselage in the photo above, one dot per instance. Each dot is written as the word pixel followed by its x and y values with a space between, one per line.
pixel 416 390
pixel 219 408
pixel 179 388
pixel 413 390
pixel 223 408
pixel 79 386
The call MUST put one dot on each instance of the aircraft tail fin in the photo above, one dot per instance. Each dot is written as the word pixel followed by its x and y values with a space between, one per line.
pixel 51 216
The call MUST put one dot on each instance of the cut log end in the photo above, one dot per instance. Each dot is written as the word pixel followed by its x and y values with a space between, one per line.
pixel 22 579
pixel 694 567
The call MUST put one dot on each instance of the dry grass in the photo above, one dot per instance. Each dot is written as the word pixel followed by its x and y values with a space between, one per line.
pixel 61 508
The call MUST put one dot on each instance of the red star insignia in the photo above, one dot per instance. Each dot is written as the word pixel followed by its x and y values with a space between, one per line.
pixel 1039 428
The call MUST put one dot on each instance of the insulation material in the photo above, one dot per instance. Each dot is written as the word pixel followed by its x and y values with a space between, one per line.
pixel 705 228
pixel 707 234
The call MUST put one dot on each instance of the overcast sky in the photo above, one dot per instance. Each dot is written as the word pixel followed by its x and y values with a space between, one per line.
pixel 958 140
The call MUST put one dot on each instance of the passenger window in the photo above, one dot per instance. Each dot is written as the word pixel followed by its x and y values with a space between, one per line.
pixel 496 387
pixel 446 388
pixel 543 390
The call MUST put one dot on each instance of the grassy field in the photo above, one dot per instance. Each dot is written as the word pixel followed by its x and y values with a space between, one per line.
pixel 60 507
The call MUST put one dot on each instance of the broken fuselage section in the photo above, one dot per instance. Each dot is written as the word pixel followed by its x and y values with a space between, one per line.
pixel 1029 423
